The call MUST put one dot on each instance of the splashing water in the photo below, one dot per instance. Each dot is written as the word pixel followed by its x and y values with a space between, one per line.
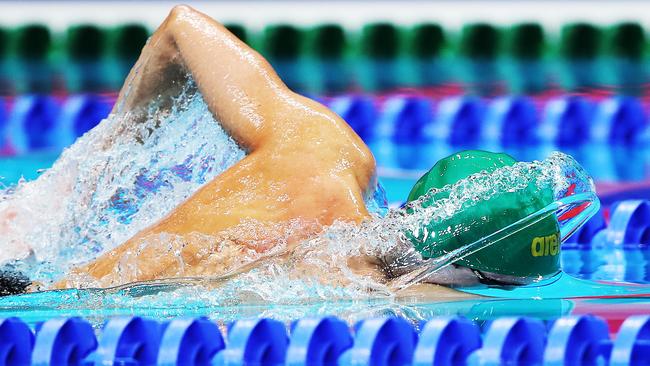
pixel 114 181
pixel 135 167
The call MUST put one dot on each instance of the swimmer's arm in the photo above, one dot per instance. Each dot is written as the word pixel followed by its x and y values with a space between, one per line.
pixel 239 86
pixel 142 258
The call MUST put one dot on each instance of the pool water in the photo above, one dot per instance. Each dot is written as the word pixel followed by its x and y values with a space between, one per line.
pixel 28 167
pixel 99 305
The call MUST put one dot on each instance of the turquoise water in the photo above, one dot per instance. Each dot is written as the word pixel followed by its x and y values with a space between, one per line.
pixel 98 305
pixel 13 168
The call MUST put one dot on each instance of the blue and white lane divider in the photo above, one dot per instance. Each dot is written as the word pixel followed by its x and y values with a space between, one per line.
pixel 567 121
pixel 628 228
pixel 31 125
pixel 42 122
pixel 79 114
pixel 619 120
pixel 574 340
pixel 359 112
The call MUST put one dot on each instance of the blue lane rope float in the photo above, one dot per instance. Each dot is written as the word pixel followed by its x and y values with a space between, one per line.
pixel 566 121
pixel 381 341
pixel 16 342
pixel 405 133
pixel 630 224
pixel 632 344
pixel 511 121
pixel 572 340
pixel 410 119
pixel 255 342
pixel 447 342
pixel 32 123
pixel 318 341
pixel 628 228
pixel 128 341
pixel 63 342
pixel 191 341
pixel 619 120
pixel 512 341
pixel 580 340
pixel 585 236
pixel 359 112
pixel 459 120
pixel 79 114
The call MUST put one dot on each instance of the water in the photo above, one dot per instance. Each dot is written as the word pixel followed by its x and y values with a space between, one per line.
pixel 114 181
pixel 137 165
pixel 43 306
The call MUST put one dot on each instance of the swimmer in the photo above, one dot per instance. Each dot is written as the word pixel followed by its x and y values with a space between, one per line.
pixel 305 169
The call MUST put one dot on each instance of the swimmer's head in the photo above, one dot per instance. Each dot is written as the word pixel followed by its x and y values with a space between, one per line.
pixel 527 255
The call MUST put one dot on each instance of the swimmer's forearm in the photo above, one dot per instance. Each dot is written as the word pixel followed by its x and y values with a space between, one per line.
pixel 125 264
pixel 147 256
pixel 239 86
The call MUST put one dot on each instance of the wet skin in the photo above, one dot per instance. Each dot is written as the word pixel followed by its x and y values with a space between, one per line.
pixel 305 166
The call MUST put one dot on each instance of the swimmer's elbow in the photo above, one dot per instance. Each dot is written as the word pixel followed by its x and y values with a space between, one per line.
pixel 366 166
pixel 368 161
pixel 180 10
pixel 180 14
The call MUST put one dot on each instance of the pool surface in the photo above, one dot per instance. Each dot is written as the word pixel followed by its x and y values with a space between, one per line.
pixel 98 306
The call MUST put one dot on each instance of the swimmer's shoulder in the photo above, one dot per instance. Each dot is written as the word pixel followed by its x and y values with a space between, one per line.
pixel 307 122
pixel 310 127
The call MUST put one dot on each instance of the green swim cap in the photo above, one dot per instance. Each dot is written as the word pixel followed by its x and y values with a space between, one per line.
pixel 532 252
